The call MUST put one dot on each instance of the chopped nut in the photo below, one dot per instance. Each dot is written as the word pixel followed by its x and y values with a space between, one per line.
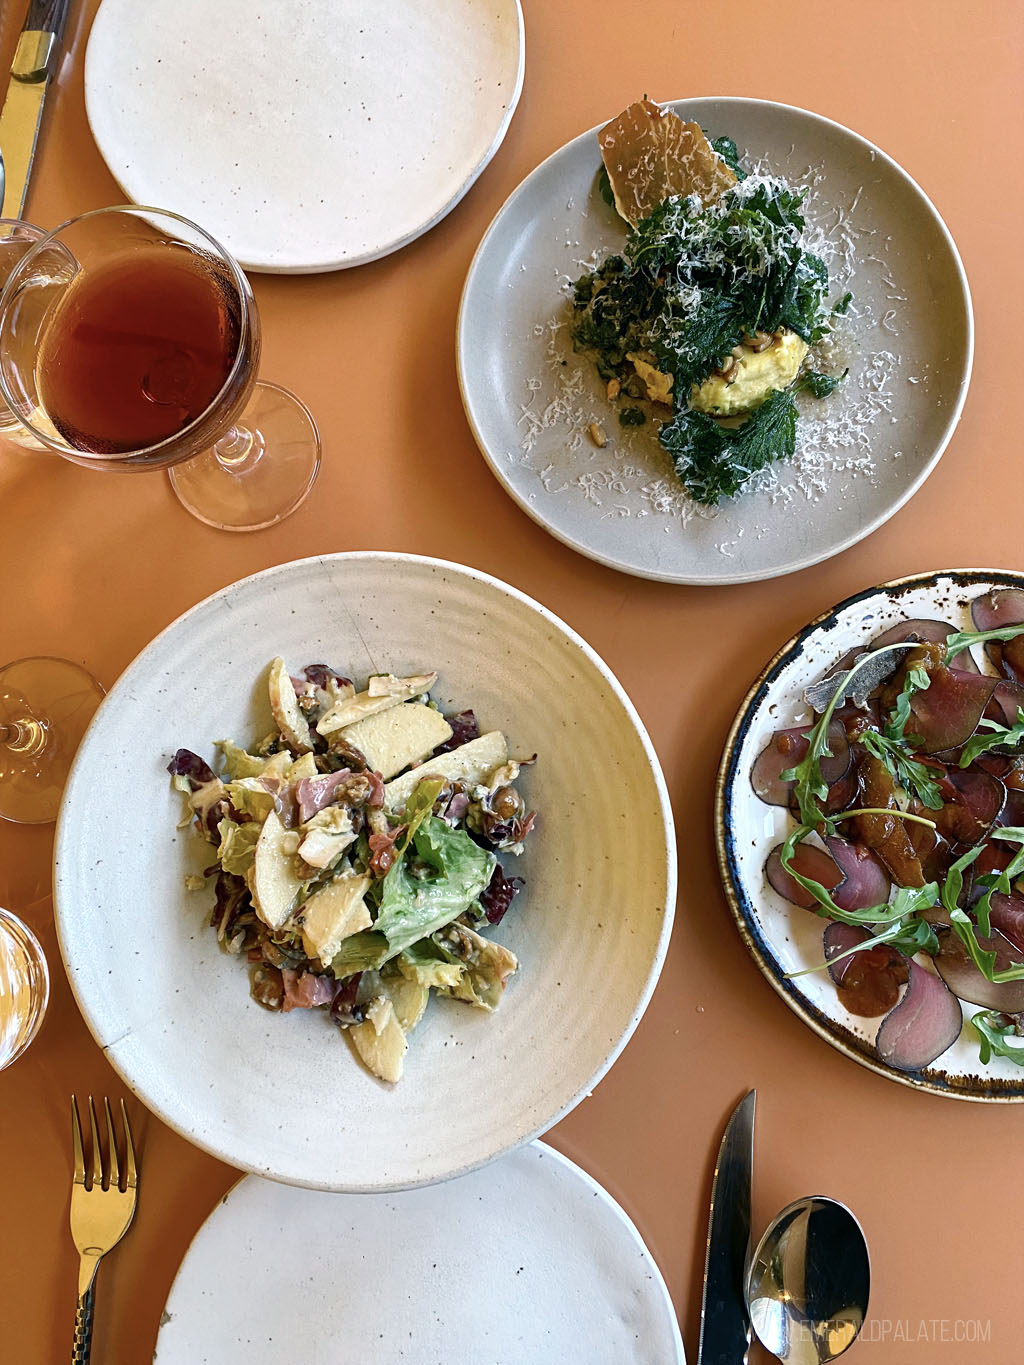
pixel 613 388
pixel 597 435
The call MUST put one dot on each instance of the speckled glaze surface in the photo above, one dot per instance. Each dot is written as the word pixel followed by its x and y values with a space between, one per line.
pixel 907 340
pixel 781 937
pixel 283 1096
pixel 480 1264
pixel 308 136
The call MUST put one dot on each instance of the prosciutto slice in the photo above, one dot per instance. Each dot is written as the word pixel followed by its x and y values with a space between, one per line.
pixel 993 610
pixel 865 879
pixel 954 965
pixel 928 630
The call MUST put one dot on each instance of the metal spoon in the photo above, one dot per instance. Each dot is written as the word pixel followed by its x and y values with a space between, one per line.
pixel 807 1284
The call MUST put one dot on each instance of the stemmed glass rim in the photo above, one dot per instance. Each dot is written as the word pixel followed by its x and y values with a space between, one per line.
pixel 245 325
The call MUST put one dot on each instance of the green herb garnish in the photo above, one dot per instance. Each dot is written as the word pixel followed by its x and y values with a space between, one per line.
pixel 730 154
pixel 993 1038
pixel 840 308
pixel 964 639
pixel 993 736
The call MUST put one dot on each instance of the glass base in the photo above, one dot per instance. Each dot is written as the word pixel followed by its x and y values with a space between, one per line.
pixel 260 471
pixel 24 987
pixel 45 706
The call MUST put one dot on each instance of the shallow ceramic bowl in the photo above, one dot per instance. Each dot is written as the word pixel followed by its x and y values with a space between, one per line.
pixel 284 1096
pixel 781 937
pixel 278 1257
pixel 908 340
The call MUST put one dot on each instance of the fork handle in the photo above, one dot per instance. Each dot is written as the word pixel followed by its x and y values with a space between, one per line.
pixel 82 1347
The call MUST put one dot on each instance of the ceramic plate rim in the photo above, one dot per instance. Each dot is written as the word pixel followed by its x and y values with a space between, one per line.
pixel 558 1159
pixel 90 1012
pixel 347 262
pixel 729 773
pixel 463 364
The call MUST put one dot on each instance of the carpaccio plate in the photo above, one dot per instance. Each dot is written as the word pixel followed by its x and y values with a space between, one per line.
pixel 782 938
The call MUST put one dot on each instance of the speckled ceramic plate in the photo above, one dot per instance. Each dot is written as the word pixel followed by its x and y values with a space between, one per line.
pixel 529 1261
pixel 907 339
pixel 283 1095
pixel 782 938
pixel 304 136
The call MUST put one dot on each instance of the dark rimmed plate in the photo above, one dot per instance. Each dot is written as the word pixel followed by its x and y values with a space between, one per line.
pixel 781 938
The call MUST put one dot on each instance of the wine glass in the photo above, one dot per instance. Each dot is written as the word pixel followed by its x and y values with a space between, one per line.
pixel 130 339
pixel 16 239
pixel 45 706
pixel 24 987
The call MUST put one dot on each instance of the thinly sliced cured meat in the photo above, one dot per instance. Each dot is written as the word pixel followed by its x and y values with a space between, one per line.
pixel 810 861
pixel 926 629
pixel 785 749
pixel 1008 918
pixel 865 879
pixel 993 610
pixel 867 983
pixel 923 1025
pixel 954 965
pixel 973 802
pixel 946 714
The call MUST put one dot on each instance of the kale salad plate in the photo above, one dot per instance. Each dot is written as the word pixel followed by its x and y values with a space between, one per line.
pixel 255 950
pixel 870 829
pixel 714 340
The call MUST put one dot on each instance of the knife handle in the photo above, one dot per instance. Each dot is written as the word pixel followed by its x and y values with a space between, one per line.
pixel 46 16
pixel 39 41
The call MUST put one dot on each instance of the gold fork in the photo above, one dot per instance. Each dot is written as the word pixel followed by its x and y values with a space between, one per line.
pixel 100 1211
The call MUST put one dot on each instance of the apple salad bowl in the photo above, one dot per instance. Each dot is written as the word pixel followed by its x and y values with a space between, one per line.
pixel 365 871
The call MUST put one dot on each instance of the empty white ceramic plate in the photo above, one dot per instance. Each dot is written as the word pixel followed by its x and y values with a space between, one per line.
pixel 528 1261
pixel 907 339
pixel 304 136
pixel 283 1095
pixel 781 937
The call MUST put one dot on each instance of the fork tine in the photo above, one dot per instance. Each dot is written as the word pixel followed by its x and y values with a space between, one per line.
pixel 129 1160
pixel 76 1143
pixel 115 1169
pixel 97 1154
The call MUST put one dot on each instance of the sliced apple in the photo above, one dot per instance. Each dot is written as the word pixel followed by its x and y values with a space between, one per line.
pixel 274 883
pixel 395 738
pixel 380 1041
pixel 468 763
pixel 408 998
pixel 326 836
pixel 382 693
pixel 284 704
pixel 333 913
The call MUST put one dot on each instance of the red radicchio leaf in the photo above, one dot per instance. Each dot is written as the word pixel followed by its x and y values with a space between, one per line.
pixel 187 764
pixel 464 728
pixel 498 894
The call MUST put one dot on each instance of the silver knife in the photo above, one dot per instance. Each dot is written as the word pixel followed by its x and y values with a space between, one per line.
pixel 724 1325
pixel 35 59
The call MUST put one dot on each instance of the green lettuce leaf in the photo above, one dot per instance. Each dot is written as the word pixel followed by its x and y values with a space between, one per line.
pixel 237 845
pixel 238 763
pixel 413 907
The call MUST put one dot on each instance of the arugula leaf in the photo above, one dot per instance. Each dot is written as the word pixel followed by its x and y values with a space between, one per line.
pixel 916 679
pixel 994 736
pixel 811 787
pixel 962 924
pixel 714 462
pixel 909 937
pixel 907 901
pixel 964 639
pixel 912 775
pixel 993 1038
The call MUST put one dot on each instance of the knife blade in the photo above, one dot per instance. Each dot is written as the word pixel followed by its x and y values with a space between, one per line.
pixel 724 1325
pixel 33 65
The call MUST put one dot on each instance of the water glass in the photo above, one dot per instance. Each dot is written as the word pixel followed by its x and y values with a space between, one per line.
pixel 24 987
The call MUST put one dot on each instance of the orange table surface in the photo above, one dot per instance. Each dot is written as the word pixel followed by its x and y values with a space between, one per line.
pixel 92 566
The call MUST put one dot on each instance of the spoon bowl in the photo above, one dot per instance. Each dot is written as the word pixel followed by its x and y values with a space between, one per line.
pixel 807 1284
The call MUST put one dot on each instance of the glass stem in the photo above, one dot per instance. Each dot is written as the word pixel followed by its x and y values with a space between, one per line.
pixel 28 737
pixel 239 449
